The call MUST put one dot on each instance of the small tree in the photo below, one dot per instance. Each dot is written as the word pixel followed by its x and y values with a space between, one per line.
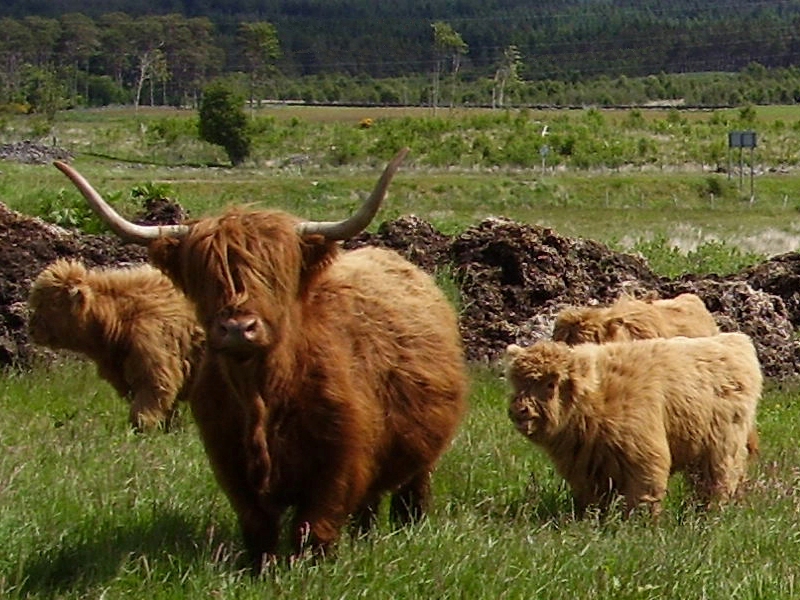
pixel 223 121
pixel 260 48
pixel 507 73
pixel 447 43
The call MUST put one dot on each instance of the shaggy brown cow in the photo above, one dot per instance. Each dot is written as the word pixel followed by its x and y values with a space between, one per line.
pixel 620 417
pixel 331 377
pixel 138 329
pixel 632 319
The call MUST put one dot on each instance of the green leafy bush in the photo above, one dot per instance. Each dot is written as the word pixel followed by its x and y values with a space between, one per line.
pixel 223 121
pixel 712 257
pixel 68 209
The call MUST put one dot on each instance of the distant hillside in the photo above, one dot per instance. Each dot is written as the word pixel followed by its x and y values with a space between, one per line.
pixel 565 39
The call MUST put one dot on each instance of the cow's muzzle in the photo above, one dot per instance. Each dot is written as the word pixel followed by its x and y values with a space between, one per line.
pixel 242 334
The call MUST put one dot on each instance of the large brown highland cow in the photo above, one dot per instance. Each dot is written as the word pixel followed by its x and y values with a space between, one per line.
pixel 618 418
pixel 138 329
pixel 331 378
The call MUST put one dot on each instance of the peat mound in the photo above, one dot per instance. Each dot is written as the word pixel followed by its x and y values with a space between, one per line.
pixel 510 279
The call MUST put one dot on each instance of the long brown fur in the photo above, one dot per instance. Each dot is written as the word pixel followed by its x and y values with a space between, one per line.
pixel 351 383
pixel 138 329
pixel 633 319
pixel 618 418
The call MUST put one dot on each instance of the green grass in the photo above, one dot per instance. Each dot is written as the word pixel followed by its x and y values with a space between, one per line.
pixel 642 178
pixel 90 510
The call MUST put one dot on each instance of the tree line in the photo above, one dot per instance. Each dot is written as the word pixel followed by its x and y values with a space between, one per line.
pixel 559 39
pixel 499 53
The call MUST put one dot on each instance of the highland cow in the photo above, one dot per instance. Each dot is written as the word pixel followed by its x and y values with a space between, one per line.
pixel 139 330
pixel 632 319
pixel 331 378
pixel 619 418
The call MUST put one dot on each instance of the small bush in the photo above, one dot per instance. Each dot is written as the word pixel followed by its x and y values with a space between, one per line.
pixel 69 210
pixel 224 123
pixel 711 257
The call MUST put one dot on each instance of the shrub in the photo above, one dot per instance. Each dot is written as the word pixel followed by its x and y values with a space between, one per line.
pixel 223 121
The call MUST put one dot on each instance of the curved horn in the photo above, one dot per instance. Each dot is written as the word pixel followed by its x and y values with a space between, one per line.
pixel 130 232
pixel 342 230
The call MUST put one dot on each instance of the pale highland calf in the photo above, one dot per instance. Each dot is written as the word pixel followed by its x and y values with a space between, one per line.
pixel 139 330
pixel 632 319
pixel 619 418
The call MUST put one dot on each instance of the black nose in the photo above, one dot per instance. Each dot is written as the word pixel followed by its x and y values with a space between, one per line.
pixel 242 328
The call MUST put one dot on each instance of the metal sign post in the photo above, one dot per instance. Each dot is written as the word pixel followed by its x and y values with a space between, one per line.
pixel 741 140
pixel 543 152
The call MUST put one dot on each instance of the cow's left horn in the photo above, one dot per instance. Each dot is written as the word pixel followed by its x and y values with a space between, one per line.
pixel 342 230
pixel 130 232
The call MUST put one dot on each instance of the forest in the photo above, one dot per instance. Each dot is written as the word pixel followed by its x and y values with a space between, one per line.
pixel 476 52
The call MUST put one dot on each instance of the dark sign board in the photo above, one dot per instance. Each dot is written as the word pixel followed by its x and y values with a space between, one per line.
pixel 742 139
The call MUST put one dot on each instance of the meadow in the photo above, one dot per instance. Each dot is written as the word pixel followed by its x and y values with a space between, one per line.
pixel 90 510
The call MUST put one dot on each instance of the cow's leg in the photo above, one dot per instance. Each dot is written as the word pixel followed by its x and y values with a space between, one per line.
pixel 411 501
pixel 221 422
pixel 146 411
pixel 724 473
pixel 365 517
pixel 317 528
pixel 647 484
pixel 260 529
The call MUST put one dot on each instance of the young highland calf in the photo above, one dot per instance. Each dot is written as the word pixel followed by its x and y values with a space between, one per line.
pixel 140 331
pixel 632 319
pixel 618 418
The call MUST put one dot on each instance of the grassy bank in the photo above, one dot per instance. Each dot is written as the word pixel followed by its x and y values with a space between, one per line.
pixel 90 510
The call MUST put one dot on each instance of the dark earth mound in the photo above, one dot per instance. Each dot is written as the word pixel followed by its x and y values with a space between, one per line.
pixel 510 280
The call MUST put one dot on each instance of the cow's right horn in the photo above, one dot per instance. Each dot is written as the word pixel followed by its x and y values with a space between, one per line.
pixel 130 232
pixel 355 224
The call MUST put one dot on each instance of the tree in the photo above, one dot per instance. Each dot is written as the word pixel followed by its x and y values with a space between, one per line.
pixel 151 63
pixel 15 39
pixel 80 38
pixel 223 121
pixel 447 44
pixel 192 56
pixel 260 49
pixel 43 92
pixel 507 72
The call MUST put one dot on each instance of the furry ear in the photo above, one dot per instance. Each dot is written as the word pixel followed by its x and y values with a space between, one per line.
pixel 512 351
pixel 164 254
pixel 616 329
pixel 79 297
pixel 318 253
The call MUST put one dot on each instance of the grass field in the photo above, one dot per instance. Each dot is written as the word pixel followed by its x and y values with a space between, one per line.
pixel 464 165
pixel 90 510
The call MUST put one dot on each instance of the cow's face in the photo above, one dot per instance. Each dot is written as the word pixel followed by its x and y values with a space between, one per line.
pixel 244 272
pixel 58 305
pixel 577 326
pixel 535 373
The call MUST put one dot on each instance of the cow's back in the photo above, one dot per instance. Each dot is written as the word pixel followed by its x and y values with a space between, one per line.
pixel 699 383
pixel 407 349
